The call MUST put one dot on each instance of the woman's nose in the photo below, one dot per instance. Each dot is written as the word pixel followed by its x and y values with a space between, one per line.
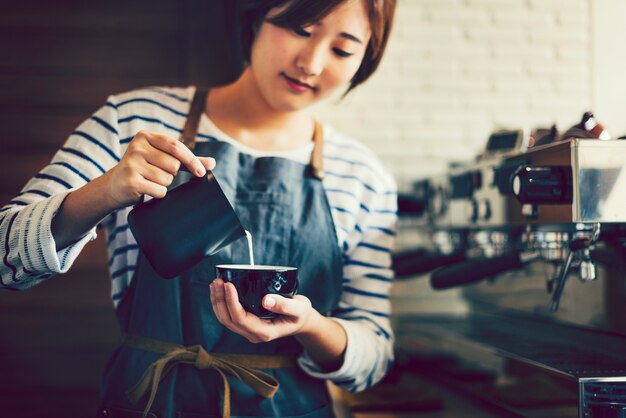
pixel 311 60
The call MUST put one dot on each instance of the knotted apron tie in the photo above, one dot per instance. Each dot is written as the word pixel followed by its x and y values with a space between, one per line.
pixel 241 366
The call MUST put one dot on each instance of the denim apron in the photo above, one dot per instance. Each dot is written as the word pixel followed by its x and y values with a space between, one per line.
pixel 283 204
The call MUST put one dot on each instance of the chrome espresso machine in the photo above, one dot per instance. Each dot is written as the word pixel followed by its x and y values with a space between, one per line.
pixel 536 239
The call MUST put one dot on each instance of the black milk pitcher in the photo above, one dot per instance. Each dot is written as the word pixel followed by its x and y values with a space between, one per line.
pixel 192 220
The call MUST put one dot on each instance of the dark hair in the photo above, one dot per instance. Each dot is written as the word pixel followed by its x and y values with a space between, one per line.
pixel 304 12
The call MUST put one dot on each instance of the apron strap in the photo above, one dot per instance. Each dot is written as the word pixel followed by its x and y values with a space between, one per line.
pixel 193 120
pixel 241 366
pixel 317 156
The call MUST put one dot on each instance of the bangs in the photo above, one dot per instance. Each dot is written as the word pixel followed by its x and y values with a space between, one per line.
pixel 303 12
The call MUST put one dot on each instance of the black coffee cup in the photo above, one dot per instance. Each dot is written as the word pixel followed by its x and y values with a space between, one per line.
pixel 254 282
pixel 193 220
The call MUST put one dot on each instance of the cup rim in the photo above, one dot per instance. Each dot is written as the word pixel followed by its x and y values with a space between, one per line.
pixel 256 267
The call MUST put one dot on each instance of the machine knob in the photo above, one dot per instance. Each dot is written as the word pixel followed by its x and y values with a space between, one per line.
pixel 483 210
pixel 415 202
pixel 464 185
pixel 471 210
pixel 542 185
pixel 409 204
pixel 438 202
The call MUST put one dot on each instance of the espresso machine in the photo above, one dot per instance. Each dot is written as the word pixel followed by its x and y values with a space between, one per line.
pixel 535 238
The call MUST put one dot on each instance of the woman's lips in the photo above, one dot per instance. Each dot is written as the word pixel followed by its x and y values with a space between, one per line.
pixel 296 85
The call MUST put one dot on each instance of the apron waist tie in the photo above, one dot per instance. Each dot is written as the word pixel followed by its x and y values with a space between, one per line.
pixel 241 366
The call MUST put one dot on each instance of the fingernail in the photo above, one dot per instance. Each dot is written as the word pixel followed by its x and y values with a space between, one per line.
pixel 270 302
pixel 199 168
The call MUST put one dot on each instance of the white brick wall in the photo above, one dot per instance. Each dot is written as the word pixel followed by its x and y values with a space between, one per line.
pixel 609 63
pixel 457 69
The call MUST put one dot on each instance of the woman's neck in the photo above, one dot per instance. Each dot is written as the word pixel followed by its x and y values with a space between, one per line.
pixel 240 110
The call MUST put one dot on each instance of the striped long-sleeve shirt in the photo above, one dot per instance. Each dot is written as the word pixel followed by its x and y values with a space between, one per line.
pixel 361 194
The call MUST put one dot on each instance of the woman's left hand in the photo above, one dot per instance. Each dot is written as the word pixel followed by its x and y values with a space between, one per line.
pixel 294 315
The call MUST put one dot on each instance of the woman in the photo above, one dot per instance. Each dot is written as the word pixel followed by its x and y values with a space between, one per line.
pixel 312 198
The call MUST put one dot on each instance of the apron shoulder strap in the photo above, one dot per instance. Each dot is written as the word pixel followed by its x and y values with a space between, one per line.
pixel 317 156
pixel 193 118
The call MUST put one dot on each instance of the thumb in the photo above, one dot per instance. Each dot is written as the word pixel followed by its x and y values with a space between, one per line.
pixel 295 306
pixel 207 162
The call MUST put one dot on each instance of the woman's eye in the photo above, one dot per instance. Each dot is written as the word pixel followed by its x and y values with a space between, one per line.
pixel 341 53
pixel 301 32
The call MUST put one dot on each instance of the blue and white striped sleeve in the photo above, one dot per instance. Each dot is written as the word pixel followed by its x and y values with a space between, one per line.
pixel 364 309
pixel 27 246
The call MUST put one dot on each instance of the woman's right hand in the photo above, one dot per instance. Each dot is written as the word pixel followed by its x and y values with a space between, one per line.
pixel 148 167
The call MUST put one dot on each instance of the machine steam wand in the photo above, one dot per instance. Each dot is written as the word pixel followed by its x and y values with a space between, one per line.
pixel 578 245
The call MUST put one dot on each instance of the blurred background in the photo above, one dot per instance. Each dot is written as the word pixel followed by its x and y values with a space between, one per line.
pixel 455 70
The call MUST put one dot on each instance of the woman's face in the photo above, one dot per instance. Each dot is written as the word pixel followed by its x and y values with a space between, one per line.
pixel 294 68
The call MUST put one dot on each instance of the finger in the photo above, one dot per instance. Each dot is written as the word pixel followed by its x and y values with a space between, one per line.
pixel 155 174
pixel 177 149
pixel 212 295
pixel 142 149
pixel 221 311
pixel 295 306
pixel 245 323
pixel 236 311
pixel 217 305
pixel 150 188
pixel 208 162
pixel 163 160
